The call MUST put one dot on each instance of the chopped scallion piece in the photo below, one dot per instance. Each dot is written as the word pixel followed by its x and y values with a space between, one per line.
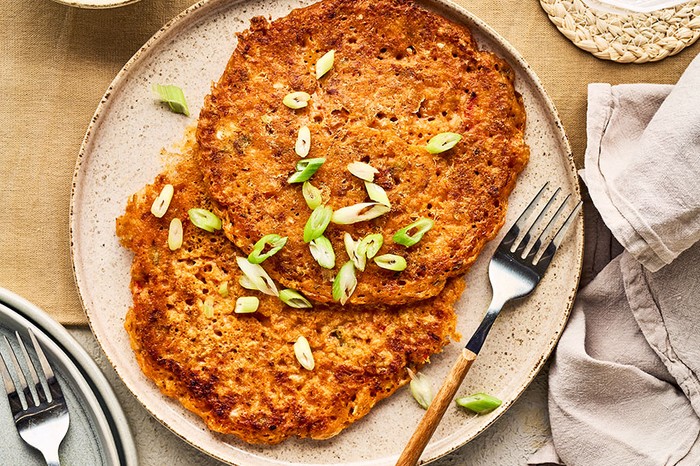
pixel 305 169
pixel 175 234
pixel 391 262
pixel 421 389
pixel 173 96
pixel 359 213
pixel 256 276
pixel 293 298
pixel 317 223
pixel 442 142
pixel 296 100
pixel 352 248
pixel 208 307
pixel 272 241
pixel 223 290
pixel 345 283
pixel 246 305
pixel 302 351
pixel 247 283
pixel 312 195
pixel 204 219
pixel 363 171
pixel 303 144
pixel 324 64
pixel 377 193
pixel 480 403
pixel 420 226
pixel 371 244
pixel 322 250
pixel 162 202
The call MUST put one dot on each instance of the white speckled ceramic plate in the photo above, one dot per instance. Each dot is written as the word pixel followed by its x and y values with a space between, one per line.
pixel 120 154
pixel 96 4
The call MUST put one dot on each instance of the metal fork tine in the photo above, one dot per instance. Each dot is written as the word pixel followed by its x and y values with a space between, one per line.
pixel 54 388
pixel 32 370
pixel 10 388
pixel 547 230
pixel 519 224
pixel 526 239
pixel 558 238
pixel 24 386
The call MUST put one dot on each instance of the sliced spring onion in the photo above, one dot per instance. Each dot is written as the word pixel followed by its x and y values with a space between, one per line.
pixel 480 403
pixel 258 279
pixel 296 100
pixel 162 202
pixel 324 64
pixel 442 142
pixel 377 193
pixel 246 305
pixel 312 195
pixel 421 389
pixel 175 234
pixel 302 351
pixel 359 213
pixel 204 219
pixel 363 171
pixel 345 283
pixel 420 226
pixel 391 262
pixel 223 290
pixel 303 144
pixel 351 247
pixel 293 298
pixel 247 283
pixel 305 169
pixel 173 96
pixel 272 241
pixel 317 222
pixel 208 307
pixel 371 244
pixel 322 251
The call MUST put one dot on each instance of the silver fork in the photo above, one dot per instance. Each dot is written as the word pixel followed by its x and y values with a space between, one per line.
pixel 514 272
pixel 41 418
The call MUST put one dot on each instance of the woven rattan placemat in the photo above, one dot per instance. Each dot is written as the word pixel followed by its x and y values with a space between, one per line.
pixel 626 38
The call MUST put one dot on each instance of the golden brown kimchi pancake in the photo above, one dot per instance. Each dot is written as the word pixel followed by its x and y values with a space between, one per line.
pixel 401 75
pixel 238 371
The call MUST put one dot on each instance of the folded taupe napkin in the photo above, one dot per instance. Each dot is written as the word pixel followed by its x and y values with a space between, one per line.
pixel 624 387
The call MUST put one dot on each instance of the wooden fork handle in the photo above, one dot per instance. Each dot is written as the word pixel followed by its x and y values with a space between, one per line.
pixel 431 419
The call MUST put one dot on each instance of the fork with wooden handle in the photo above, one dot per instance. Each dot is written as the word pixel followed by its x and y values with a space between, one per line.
pixel 514 272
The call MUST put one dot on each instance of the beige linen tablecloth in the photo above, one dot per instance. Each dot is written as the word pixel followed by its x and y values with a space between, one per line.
pixel 56 62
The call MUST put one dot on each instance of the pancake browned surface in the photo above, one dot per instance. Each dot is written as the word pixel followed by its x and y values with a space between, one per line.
pixel 401 75
pixel 238 371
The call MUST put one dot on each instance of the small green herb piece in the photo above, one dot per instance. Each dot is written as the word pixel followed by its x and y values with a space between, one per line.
pixel 377 193
pixel 255 277
pixel 173 96
pixel 305 169
pixel 391 262
pixel 312 195
pixel 322 250
pixel 162 202
pixel 175 234
pixel 273 241
pixel 345 283
pixel 223 290
pixel 303 144
pixel 293 298
pixel 371 244
pixel 204 219
pixel 296 100
pixel 359 213
pixel 317 222
pixel 363 171
pixel 208 307
pixel 421 389
pixel 442 142
pixel 351 247
pixel 324 64
pixel 302 350
pixel 480 403
pixel 420 226
pixel 246 305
